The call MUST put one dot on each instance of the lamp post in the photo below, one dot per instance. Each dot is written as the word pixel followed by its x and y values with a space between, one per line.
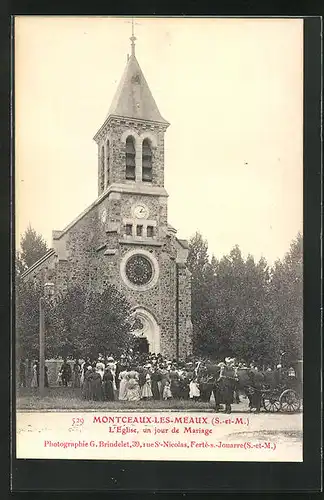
pixel 48 292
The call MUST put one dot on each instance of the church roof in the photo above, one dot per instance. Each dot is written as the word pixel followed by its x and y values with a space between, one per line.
pixel 184 243
pixel 40 261
pixel 133 98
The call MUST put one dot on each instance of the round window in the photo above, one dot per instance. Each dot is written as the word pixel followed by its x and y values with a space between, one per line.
pixel 139 270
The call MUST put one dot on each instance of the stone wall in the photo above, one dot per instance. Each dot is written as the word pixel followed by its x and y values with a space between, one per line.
pixel 184 325
pixel 90 267
pixel 116 132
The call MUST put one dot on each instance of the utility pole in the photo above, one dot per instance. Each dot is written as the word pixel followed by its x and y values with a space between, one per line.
pixel 48 292
pixel 41 381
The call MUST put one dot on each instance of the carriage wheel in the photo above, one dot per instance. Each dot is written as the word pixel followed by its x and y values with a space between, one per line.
pixel 289 401
pixel 271 404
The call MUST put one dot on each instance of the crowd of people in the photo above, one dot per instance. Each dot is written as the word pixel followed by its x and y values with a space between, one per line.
pixel 132 377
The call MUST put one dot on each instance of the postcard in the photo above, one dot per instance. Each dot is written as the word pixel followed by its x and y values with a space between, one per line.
pixel 159 215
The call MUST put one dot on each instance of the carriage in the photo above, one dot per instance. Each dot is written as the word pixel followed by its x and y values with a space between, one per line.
pixel 287 395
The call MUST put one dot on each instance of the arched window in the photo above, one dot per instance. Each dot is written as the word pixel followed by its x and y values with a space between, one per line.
pixel 102 169
pixel 107 163
pixel 130 158
pixel 146 161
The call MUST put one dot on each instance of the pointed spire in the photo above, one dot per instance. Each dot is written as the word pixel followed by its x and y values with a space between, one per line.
pixel 133 39
pixel 133 97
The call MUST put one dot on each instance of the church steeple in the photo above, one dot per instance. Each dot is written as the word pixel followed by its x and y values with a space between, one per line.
pixel 131 139
pixel 133 98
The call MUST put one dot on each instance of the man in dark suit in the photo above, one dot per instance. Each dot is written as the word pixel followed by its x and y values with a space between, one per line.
pixel 66 373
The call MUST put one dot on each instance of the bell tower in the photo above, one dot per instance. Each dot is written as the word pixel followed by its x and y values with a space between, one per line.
pixel 131 139
pixel 141 253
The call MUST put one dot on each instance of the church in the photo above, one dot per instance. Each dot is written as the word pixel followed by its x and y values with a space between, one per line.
pixel 124 237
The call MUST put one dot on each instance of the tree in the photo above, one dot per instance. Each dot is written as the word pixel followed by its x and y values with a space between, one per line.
pixel 202 300
pixel 229 304
pixel 286 301
pixel 20 266
pixel 33 247
pixel 240 289
pixel 27 318
pixel 85 322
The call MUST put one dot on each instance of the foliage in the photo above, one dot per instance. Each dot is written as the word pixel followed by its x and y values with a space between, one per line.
pixel 33 247
pixel 27 318
pixel 27 295
pixel 79 322
pixel 202 304
pixel 286 300
pixel 19 264
pixel 84 322
pixel 242 308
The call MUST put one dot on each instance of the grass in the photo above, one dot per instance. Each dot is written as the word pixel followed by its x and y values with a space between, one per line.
pixel 65 398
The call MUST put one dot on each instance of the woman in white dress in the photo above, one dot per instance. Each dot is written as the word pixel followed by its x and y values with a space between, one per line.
pixel 122 396
pixel 167 394
pixel 100 368
pixel 133 392
pixel 34 382
pixel 146 392
pixel 194 391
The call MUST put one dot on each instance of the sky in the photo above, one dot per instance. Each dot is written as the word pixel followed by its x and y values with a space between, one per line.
pixel 232 90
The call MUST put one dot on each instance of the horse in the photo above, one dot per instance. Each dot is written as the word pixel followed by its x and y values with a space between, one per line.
pixel 211 381
pixel 252 382
pixel 248 381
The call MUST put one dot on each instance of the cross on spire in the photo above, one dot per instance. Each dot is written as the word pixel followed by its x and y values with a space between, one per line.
pixel 133 38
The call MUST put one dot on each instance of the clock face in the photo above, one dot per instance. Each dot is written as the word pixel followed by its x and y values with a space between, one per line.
pixel 103 215
pixel 141 211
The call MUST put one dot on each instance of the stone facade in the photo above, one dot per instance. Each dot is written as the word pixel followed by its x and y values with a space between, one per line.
pixel 111 140
pixel 125 232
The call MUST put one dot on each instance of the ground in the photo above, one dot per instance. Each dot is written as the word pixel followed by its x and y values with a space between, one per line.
pixel 66 398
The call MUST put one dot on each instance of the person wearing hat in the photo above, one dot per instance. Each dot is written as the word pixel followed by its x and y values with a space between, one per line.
pixel 165 377
pixel 86 394
pixel 133 392
pixel 256 382
pixel 108 385
pixel 155 381
pixel 66 373
pixel 175 381
pixel 146 389
pixel 184 380
pixel 96 389
pixel 194 391
pixel 122 384
pixel 226 384
pixel 100 368
pixel 121 366
pixel 111 365
pixel 76 374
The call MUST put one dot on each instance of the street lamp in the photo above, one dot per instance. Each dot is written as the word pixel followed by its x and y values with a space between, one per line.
pixel 48 292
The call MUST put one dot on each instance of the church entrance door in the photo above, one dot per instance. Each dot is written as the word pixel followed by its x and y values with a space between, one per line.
pixel 147 331
pixel 141 345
